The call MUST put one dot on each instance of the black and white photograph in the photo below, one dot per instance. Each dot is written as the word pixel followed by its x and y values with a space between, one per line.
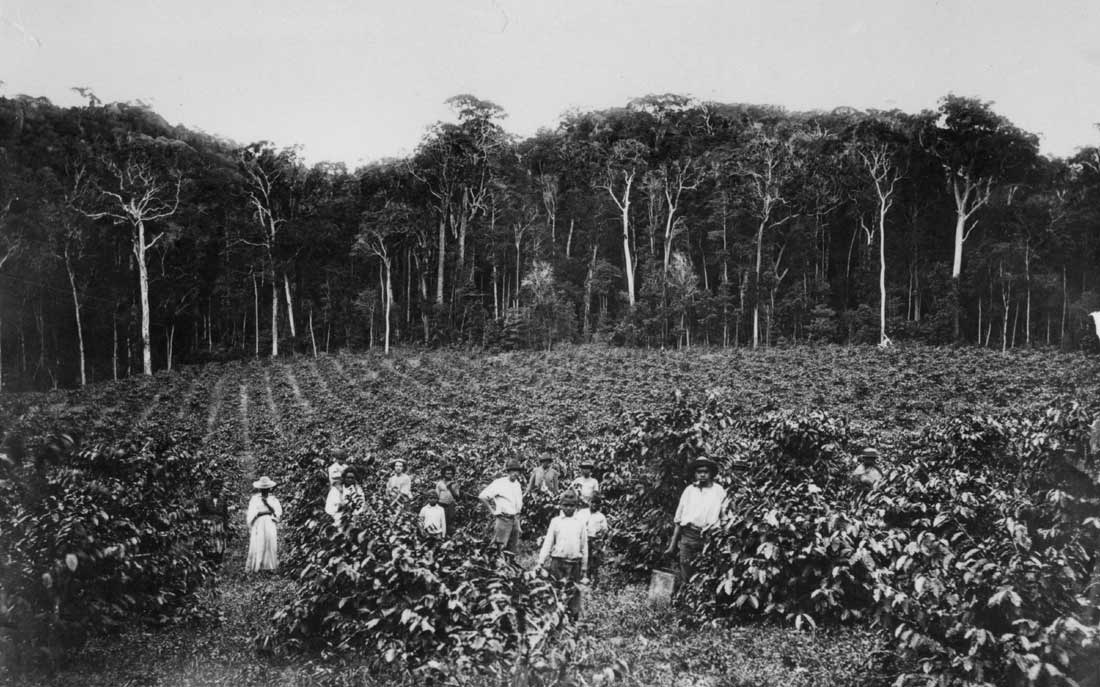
pixel 586 343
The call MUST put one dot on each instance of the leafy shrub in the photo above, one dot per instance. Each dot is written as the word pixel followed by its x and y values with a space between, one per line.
pixel 107 536
pixel 377 585
pixel 972 553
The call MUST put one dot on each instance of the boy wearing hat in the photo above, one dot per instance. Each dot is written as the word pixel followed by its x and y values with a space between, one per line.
pixel 566 547
pixel 433 519
pixel 544 478
pixel 586 485
pixel 447 492
pixel 399 485
pixel 335 498
pixel 597 527
pixel 504 498
pixel 867 474
pixel 699 509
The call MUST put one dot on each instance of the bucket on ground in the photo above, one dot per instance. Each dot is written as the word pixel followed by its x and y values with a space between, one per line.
pixel 660 585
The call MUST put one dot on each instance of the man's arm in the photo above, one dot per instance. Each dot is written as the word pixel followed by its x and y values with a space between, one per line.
pixel 548 542
pixel 676 522
pixel 486 496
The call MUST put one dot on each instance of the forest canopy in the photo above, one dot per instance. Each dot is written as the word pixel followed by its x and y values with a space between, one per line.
pixel 128 245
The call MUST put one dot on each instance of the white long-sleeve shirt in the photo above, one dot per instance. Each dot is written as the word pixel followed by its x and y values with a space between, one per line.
pixel 566 537
pixel 597 526
pixel 400 485
pixel 433 519
pixel 586 487
pixel 506 495
pixel 700 507
pixel 334 501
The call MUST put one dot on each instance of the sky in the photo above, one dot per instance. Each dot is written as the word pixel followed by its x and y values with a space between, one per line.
pixel 355 81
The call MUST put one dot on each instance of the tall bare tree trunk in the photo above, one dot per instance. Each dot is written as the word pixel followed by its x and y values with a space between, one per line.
pixel 289 307
pixel 114 346
pixel 756 296
pixel 569 239
pixel 312 337
pixel 1065 309
pixel 274 312
pixel 143 279
pixel 76 312
pixel 169 344
pixel 256 310
pixel 389 302
pixel 441 262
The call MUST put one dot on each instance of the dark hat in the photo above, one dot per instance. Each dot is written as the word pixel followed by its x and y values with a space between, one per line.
pixel 703 462
pixel 350 472
pixel 569 498
pixel 545 459
pixel 869 454
pixel 513 464
pixel 447 468
pixel 431 493
pixel 586 463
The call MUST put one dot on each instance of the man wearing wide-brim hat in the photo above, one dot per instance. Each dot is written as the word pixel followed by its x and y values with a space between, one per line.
pixel 504 497
pixel 867 474
pixel 566 548
pixel 699 510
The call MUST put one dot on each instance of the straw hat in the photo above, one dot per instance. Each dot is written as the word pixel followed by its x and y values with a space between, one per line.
pixel 263 483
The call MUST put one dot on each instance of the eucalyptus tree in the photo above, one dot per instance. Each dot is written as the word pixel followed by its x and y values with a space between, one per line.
pixel 137 183
pixel 977 149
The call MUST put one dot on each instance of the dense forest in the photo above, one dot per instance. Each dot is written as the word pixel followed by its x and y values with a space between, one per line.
pixel 128 245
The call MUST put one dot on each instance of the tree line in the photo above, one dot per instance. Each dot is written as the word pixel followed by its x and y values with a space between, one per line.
pixel 129 245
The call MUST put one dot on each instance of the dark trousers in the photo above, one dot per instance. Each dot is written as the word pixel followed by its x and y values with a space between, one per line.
pixel 595 558
pixel 569 569
pixel 691 543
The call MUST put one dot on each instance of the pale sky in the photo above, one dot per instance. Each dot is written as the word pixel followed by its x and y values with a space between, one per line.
pixel 355 81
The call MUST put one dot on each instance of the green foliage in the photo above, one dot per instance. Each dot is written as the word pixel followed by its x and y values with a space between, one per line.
pixel 381 589
pixel 105 537
pixel 971 553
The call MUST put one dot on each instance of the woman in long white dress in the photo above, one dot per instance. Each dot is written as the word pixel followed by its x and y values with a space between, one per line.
pixel 264 511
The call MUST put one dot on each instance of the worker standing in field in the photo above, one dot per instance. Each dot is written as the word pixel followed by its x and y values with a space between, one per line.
pixel 504 498
pixel 355 501
pixel 544 478
pixel 598 530
pixel 433 519
pixel 399 485
pixel 586 485
pixel 867 473
pixel 447 493
pixel 264 511
pixel 699 510
pixel 335 499
pixel 566 548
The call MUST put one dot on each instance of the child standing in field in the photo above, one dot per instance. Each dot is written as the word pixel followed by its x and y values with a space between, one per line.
pixel 447 492
pixel 399 485
pixel 566 548
pixel 433 519
pixel 335 499
pixel 598 531
pixel 586 485
pixel 264 511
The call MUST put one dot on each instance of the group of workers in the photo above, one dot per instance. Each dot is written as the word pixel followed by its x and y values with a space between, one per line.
pixel 573 547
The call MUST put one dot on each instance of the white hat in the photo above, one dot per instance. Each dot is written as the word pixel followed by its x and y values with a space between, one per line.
pixel 336 470
pixel 263 483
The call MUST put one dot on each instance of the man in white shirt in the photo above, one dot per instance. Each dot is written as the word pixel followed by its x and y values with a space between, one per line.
pixel 566 547
pixel 699 510
pixel 504 498
pixel 586 485
pixel 433 519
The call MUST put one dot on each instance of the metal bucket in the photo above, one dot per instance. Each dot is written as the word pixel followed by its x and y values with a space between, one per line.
pixel 661 583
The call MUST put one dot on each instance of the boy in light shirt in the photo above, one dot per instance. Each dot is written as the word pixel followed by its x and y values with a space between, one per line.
pixel 586 485
pixel 433 519
pixel 566 548
pixel 598 530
